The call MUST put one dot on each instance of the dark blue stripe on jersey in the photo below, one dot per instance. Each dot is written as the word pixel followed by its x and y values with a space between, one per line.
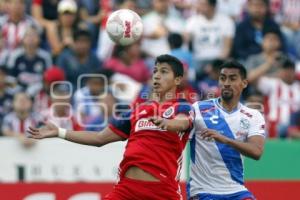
pixel 122 122
pixel 193 148
pixel 188 188
pixel 183 107
pixel 230 156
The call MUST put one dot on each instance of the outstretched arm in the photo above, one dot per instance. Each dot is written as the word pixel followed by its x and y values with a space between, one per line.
pixel 81 137
pixel 180 123
pixel 252 148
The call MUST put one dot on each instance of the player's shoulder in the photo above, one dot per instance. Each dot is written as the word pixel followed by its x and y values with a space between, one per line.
pixel 208 102
pixel 250 112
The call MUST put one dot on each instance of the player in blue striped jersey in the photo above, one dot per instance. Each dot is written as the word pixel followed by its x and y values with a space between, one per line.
pixel 224 131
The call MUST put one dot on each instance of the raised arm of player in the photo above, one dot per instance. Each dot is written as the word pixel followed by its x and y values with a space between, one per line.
pixel 81 137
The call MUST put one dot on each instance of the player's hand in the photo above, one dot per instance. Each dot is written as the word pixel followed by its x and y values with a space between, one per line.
pixel 26 142
pixel 159 122
pixel 210 134
pixel 47 131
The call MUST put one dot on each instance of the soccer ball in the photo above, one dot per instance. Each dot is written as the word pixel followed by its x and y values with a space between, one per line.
pixel 124 26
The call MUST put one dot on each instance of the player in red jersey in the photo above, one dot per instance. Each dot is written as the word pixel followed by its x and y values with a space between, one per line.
pixel 157 132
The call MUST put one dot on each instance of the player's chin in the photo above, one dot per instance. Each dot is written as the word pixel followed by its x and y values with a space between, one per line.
pixel 227 96
pixel 157 90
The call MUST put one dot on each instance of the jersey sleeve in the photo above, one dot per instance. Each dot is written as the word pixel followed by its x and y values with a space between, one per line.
pixel 257 125
pixel 187 109
pixel 121 125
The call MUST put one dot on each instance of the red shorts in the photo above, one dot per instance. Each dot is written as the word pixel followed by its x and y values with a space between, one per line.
pixel 131 189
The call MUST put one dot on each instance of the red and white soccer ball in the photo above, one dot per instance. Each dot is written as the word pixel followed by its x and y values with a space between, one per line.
pixel 124 26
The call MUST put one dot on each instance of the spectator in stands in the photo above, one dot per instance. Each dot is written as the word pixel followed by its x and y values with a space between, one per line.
pixel 232 8
pixel 60 34
pixel 157 25
pixel 184 55
pixel 282 95
pixel 3 7
pixel 61 111
pixel 14 24
pixel 5 96
pixel 100 122
pixel 42 95
pixel 44 11
pixel 90 11
pixel 80 59
pixel 294 126
pixel 17 122
pixel 209 86
pixel 211 34
pixel 128 60
pixel 249 33
pixel 124 88
pixel 86 99
pixel 256 101
pixel 186 7
pixel 28 62
pixel 4 52
pixel 289 18
pixel 269 56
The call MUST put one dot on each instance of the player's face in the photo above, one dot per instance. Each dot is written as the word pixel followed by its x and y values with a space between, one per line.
pixel 164 79
pixel 231 83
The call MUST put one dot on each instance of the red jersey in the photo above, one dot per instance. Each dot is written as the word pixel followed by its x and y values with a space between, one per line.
pixel 156 151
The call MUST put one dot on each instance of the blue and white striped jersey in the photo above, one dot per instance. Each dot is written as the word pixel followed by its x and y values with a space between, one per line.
pixel 217 168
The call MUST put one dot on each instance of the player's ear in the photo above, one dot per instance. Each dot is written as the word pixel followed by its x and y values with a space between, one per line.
pixel 178 80
pixel 245 83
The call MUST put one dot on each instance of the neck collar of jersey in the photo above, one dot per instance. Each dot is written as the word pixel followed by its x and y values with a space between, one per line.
pixel 217 102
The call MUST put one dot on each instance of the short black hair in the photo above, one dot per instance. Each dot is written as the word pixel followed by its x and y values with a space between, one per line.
pixel 233 64
pixel 175 40
pixel 216 64
pixel 287 63
pixel 82 33
pixel 212 3
pixel 175 63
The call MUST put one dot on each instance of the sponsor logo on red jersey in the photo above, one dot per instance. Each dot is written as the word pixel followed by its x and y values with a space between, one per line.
pixel 145 124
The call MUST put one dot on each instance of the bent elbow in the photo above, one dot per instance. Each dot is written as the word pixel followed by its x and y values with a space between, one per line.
pixel 99 144
pixel 257 155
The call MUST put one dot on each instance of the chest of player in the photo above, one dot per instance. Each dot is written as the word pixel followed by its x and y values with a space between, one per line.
pixel 234 125
pixel 140 116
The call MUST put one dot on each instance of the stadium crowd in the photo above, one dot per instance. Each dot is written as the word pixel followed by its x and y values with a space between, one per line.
pixel 57 62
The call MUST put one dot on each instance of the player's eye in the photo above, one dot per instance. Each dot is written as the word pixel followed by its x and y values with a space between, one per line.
pixel 233 78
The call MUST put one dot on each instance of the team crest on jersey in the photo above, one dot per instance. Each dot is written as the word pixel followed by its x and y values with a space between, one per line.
pixel 169 112
pixel 244 123
pixel 145 124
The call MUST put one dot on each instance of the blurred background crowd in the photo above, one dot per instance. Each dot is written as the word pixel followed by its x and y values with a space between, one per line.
pixel 57 62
